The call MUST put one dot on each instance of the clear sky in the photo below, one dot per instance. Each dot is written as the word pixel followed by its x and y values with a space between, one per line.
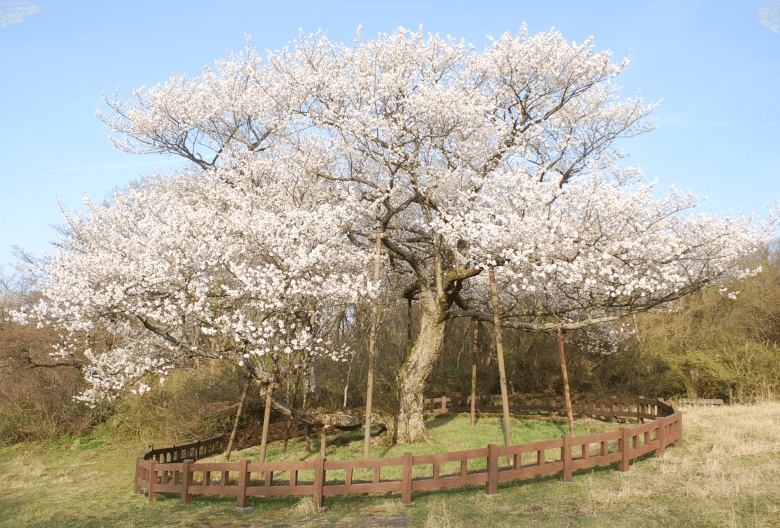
pixel 714 65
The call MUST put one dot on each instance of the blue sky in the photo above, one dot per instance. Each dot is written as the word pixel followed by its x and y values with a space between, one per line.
pixel 715 67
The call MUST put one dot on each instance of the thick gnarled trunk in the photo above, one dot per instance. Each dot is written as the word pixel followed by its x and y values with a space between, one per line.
pixel 417 368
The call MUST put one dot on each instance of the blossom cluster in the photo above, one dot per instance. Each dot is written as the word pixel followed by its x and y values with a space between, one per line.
pixel 178 263
pixel 595 243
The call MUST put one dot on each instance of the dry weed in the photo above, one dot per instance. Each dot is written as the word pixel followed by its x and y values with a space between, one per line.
pixel 439 517
pixel 306 507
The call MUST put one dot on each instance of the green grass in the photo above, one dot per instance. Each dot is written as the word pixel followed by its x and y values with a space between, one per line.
pixel 84 443
pixel 727 474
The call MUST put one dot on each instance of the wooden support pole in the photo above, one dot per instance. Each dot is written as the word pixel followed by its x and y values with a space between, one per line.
pixel 500 355
pixel 240 410
pixel 372 348
pixel 474 357
pixel 565 374
pixel 266 418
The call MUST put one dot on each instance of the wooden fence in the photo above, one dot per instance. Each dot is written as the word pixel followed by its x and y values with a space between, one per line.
pixel 218 444
pixel 409 473
pixel 606 409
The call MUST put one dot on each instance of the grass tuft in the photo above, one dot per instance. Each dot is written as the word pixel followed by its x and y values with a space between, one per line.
pixel 306 507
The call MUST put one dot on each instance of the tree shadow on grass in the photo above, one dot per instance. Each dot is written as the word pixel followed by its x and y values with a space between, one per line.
pixel 440 421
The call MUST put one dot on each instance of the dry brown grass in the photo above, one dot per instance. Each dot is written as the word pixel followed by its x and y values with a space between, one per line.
pixel 439 516
pixel 726 474
pixel 306 507
pixel 729 467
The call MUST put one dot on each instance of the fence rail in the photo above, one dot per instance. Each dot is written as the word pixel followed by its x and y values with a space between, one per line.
pixel 410 473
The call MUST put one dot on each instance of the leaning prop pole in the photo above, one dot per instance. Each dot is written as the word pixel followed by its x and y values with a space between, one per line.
pixel 500 354
pixel 239 412
pixel 266 418
pixel 565 374
pixel 474 356
pixel 372 347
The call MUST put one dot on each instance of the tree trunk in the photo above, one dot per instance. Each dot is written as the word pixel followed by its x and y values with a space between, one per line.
pixel 415 370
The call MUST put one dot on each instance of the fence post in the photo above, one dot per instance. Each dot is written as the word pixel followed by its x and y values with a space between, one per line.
pixel 566 457
pixel 323 449
pixel 678 440
pixel 319 481
pixel 661 435
pixel 152 480
pixel 138 475
pixel 492 464
pixel 242 501
pixel 186 481
pixel 624 449
pixel 406 485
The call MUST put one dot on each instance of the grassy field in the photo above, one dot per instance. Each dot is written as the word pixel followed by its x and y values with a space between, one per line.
pixel 726 474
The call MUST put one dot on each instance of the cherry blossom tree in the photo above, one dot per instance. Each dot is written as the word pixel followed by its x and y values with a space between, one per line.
pixel 465 158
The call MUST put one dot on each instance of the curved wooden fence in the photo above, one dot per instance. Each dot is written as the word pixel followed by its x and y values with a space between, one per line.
pixel 404 475
pixel 218 444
